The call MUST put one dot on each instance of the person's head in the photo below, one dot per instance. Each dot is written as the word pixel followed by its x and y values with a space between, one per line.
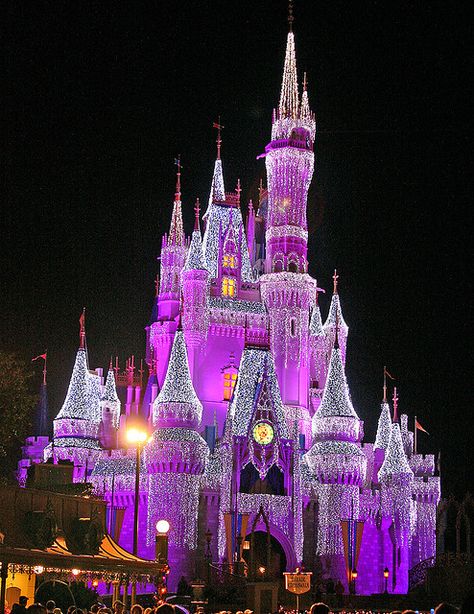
pixel 57 611
pixel 446 608
pixel 36 608
pixel 105 610
pixel 408 612
pixel 23 600
pixel 95 607
pixel 165 608
pixel 319 608
pixel 71 609
pixel 50 605
pixel 148 610
pixel 396 612
pixel 136 609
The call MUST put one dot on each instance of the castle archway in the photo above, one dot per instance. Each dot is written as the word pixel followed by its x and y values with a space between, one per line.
pixel 279 543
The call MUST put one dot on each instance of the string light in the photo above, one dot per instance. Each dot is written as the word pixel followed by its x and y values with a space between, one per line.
pixel 384 428
pixel 110 399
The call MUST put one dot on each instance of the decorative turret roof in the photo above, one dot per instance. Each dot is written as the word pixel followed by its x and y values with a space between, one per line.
pixel 336 399
pixel 195 259
pixel 110 390
pixel 217 194
pixel 176 235
pixel 254 362
pixel 305 112
pixel 316 323
pixel 177 403
pixel 288 107
pixel 81 402
pixel 335 312
pixel 395 462
pixel 384 428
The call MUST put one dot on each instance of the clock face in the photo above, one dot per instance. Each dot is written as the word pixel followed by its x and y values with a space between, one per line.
pixel 263 433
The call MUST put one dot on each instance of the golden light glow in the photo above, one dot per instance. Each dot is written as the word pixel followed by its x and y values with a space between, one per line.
pixel 261 570
pixel 228 286
pixel 136 436
pixel 229 385
pixel 38 569
pixel 229 262
pixel 75 572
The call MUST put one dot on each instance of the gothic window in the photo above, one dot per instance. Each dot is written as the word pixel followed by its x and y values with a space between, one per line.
pixel 229 287
pixel 292 327
pixel 229 384
pixel 293 267
pixel 229 261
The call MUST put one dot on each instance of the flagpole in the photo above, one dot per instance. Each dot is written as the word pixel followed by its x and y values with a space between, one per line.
pixel 44 367
pixel 415 437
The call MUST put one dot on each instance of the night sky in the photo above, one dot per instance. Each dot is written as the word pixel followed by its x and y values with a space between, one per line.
pixel 100 97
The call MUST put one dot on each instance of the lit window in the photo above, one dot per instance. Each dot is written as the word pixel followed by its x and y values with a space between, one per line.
pixel 228 286
pixel 229 261
pixel 229 384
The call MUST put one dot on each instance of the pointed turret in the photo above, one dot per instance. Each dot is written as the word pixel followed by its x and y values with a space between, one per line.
pixel 76 402
pixel 110 409
pixel 177 403
pixel 384 428
pixel 335 314
pixel 195 259
pixel 336 399
pixel 288 107
pixel 316 323
pixel 176 235
pixel 395 462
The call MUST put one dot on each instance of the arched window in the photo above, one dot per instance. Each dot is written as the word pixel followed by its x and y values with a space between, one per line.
pixel 292 327
pixel 293 267
pixel 229 384
pixel 229 287
pixel 229 261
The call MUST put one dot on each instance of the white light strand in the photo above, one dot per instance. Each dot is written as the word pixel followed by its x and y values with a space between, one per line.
pixel 384 428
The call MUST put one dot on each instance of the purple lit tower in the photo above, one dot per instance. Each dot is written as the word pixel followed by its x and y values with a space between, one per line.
pixel 247 402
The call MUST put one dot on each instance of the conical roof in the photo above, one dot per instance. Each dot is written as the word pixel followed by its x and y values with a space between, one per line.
pixel 335 315
pixel 288 107
pixel 177 400
pixel 316 323
pixel 195 259
pixel 336 400
pixel 395 461
pixel 81 402
pixel 217 194
pixel 110 390
pixel 384 428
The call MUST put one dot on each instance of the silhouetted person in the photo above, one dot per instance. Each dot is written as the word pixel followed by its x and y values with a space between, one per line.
pixel 50 605
pixel 319 608
pixel 36 608
pixel 20 607
pixel 446 608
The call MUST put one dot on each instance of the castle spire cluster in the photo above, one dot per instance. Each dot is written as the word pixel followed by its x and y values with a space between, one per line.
pixel 247 405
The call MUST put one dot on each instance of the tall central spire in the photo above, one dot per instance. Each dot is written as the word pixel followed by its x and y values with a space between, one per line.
pixel 288 106
pixel 176 235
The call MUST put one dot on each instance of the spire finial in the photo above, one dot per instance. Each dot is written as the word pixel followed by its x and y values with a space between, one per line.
pixel 290 15
pixel 260 191
pixel 335 277
pixel 110 363
pixel 157 285
pixel 238 189
pixel 395 405
pixel 288 105
pixel 219 127
pixel 385 384
pixel 197 208
pixel 177 194
pixel 82 329
pixel 305 83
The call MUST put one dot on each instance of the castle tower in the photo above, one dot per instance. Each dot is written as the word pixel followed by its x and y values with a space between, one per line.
pixel 195 279
pixel 396 479
pixel 337 464
pixel 176 457
pixel 287 290
pixel 173 258
pixel 76 427
pixel 110 412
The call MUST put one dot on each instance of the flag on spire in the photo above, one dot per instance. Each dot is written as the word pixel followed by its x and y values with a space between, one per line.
pixel 419 427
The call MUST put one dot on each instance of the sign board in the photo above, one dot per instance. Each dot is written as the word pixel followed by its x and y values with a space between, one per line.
pixel 298 583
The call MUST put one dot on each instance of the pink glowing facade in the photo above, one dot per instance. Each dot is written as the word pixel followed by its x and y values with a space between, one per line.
pixel 246 400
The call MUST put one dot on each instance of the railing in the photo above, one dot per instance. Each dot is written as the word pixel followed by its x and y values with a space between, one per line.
pixel 418 574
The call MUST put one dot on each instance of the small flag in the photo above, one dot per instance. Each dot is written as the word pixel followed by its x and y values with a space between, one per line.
pixel 82 320
pixel 43 356
pixel 419 427
pixel 387 373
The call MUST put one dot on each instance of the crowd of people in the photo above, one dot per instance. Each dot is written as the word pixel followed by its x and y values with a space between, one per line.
pixel 167 608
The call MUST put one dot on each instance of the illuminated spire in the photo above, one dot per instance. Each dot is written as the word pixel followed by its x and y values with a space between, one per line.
pixel 176 234
pixel 395 405
pixel 177 401
pixel 336 400
pixel 395 461
pixel 77 402
pixel 384 427
pixel 217 186
pixel 110 390
pixel 288 106
pixel 195 259
pixel 305 112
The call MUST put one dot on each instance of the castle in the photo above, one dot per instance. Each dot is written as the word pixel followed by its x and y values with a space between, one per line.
pixel 256 452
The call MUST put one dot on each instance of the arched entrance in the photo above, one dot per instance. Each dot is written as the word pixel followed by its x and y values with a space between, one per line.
pixel 278 563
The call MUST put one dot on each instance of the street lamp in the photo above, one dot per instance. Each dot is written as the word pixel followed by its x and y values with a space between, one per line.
pixel 386 573
pixel 137 438
pixel 262 570
pixel 354 578
pixel 161 540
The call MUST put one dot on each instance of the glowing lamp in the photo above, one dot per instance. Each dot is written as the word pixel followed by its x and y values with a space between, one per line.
pixel 386 572
pixel 261 570
pixel 75 572
pixel 246 545
pixel 95 583
pixel 38 569
pixel 354 574
pixel 162 526
pixel 136 436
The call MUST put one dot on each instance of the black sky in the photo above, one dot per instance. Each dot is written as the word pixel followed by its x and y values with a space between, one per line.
pixel 99 98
